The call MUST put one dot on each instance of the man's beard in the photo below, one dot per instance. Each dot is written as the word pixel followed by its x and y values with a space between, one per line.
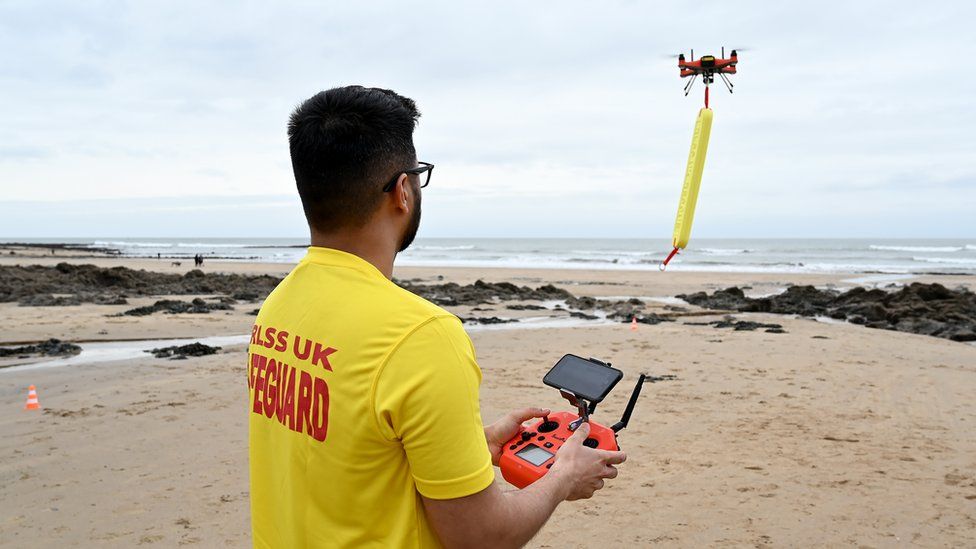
pixel 413 225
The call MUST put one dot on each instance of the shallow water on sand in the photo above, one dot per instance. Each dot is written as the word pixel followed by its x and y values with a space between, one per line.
pixel 110 351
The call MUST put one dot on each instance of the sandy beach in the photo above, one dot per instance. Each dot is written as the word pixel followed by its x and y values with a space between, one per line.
pixel 829 434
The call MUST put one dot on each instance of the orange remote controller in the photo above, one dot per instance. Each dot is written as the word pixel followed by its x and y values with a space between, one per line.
pixel 529 455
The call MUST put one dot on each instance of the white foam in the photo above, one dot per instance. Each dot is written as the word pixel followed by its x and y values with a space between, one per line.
pixel 828 320
pixel 128 244
pixel 759 295
pixel 442 248
pixel 947 260
pixel 730 256
pixel 667 300
pixel 917 248
pixel 210 245
pixel 723 251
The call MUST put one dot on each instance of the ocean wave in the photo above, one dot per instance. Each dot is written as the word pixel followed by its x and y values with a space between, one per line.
pixel 724 251
pixel 971 246
pixel 123 244
pixel 615 253
pixel 209 245
pixel 691 266
pixel 444 248
pixel 948 260
pixel 918 248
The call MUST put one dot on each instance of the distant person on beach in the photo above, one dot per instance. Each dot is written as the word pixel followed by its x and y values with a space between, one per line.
pixel 364 419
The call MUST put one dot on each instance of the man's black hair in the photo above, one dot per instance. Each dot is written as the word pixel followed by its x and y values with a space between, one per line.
pixel 346 143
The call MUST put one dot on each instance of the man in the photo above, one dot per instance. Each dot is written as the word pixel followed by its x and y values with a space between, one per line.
pixel 364 426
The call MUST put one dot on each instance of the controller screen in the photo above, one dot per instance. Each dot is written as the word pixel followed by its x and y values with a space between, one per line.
pixel 534 455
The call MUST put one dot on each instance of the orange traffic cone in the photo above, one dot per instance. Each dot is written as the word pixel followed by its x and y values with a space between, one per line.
pixel 32 403
pixel 633 324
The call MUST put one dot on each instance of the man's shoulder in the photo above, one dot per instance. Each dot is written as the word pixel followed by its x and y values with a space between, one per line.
pixel 362 298
pixel 418 304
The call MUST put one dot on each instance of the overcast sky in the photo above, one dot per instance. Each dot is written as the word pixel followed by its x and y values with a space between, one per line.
pixel 543 118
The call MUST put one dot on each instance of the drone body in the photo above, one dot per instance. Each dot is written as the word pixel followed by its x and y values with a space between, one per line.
pixel 707 66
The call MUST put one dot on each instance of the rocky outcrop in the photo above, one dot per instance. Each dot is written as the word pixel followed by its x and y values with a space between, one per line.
pixel 37 285
pixel 180 352
pixel 928 309
pixel 450 293
pixel 174 306
pixel 51 347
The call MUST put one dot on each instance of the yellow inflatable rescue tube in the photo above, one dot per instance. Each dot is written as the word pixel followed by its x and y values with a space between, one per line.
pixel 693 175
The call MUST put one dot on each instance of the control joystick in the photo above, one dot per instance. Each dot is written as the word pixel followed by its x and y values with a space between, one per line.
pixel 547 425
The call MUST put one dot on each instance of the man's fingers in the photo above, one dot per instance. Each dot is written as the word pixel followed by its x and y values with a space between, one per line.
pixel 613 458
pixel 526 414
pixel 609 472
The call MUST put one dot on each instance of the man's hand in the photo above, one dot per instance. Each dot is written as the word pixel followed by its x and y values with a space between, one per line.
pixel 504 429
pixel 582 468
pixel 493 518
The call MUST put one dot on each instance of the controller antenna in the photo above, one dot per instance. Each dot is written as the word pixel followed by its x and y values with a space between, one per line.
pixel 625 419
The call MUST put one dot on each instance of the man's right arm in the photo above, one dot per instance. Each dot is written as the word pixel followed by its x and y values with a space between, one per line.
pixel 495 518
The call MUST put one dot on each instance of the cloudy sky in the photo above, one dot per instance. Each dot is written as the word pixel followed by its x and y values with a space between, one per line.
pixel 543 118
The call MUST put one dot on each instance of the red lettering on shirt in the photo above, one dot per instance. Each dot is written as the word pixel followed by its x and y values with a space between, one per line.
pixel 303 353
pixel 282 386
pixel 271 387
pixel 320 410
pixel 259 362
pixel 321 355
pixel 304 403
pixel 282 342
pixel 269 333
pixel 288 416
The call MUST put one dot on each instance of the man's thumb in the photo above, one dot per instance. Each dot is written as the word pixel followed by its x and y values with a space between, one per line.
pixel 581 433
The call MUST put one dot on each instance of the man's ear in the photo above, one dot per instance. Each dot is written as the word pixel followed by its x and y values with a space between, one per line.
pixel 401 192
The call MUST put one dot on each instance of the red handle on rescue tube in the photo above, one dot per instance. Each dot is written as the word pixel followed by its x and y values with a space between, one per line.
pixel 664 264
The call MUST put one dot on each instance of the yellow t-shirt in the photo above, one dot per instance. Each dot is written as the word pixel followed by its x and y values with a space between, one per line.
pixel 362 397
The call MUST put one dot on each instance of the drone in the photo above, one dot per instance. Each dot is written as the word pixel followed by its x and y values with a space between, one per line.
pixel 707 67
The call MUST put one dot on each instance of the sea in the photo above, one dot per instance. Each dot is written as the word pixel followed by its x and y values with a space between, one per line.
pixel 875 255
